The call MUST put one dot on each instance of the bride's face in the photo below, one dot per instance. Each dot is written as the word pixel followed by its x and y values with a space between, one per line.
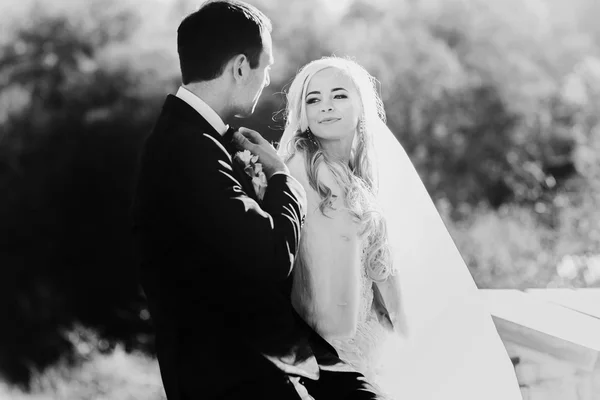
pixel 332 106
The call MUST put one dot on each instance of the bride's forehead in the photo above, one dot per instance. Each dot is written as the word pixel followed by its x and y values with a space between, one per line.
pixel 329 78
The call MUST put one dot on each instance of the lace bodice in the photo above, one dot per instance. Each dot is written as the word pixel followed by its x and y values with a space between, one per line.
pixel 363 350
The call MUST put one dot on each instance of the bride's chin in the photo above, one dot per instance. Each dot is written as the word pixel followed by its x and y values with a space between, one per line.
pixel 334 132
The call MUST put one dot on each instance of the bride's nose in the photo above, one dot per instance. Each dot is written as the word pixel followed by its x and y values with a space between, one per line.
pixel 326 106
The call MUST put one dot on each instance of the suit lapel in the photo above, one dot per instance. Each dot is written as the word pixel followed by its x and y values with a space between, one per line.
pixel 191 115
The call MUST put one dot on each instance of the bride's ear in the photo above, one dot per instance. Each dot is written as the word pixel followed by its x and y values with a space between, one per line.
pixel 239 68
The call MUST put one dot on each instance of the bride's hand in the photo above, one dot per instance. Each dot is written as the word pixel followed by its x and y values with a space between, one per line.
pixel 247 139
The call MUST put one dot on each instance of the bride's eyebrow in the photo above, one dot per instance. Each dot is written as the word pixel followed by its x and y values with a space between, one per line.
pixel 332 90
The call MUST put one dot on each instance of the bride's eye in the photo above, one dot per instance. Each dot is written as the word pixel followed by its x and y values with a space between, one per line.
pixel 312 100
pixel 340 96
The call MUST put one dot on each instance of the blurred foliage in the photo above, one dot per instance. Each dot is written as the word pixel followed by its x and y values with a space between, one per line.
pixel 73 118
pixel 119 375
pixel 497 108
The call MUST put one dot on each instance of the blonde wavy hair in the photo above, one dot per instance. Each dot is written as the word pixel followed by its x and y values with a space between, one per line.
pixel 358 180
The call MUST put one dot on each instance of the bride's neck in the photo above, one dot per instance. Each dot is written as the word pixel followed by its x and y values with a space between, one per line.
pixel 337 150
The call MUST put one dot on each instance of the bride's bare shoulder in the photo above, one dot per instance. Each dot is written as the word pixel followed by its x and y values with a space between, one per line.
pixel 297 166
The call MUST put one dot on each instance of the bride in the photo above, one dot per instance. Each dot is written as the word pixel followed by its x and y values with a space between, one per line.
pixel 371 229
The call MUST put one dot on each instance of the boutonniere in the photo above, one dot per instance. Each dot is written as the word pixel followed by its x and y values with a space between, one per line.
pixel 254 170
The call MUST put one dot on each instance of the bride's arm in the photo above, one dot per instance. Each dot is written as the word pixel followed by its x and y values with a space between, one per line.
pixel 388 304
pixel 326 288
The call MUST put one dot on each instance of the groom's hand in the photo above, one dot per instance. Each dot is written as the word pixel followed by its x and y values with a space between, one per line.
pixel 247 139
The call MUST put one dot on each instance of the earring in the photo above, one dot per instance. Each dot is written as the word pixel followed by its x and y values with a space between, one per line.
pixel 311 137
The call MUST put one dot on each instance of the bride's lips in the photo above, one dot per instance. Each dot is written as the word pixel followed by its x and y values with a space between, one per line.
pixel 329 120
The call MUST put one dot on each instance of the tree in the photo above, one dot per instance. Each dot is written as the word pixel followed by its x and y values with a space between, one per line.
pixel 69 146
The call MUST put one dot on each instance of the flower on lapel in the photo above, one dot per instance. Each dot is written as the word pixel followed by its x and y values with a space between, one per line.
pixel 254 170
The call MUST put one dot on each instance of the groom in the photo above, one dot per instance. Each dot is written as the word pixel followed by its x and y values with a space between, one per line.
pixel 216 260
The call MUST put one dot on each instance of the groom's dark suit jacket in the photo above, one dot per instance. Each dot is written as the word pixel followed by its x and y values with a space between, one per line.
pixel 215 266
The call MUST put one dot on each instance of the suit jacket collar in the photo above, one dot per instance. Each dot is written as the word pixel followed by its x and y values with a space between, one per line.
pixel 184 111
pixel 203 109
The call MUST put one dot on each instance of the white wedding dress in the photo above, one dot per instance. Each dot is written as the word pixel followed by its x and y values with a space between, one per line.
pixel 452 350
pixel 322 237
pixel 364 349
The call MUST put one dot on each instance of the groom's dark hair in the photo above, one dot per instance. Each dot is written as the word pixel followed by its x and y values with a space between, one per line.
pixel 219 30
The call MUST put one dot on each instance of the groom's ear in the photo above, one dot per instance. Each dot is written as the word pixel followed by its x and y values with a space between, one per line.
pixel 240 67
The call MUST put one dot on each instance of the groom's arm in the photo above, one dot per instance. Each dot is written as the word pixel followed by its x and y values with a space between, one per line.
pixel 263 240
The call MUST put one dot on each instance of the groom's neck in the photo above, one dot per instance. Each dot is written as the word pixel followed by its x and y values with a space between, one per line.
pixel 215 94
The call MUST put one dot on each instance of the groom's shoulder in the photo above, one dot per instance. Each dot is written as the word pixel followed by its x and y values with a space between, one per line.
pixel 177 123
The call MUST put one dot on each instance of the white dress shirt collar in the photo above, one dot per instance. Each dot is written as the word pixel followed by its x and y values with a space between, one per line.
pixel 203 109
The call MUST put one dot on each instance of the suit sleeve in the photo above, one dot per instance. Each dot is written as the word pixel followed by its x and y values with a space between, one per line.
pixel 262 242
pixel 326 290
